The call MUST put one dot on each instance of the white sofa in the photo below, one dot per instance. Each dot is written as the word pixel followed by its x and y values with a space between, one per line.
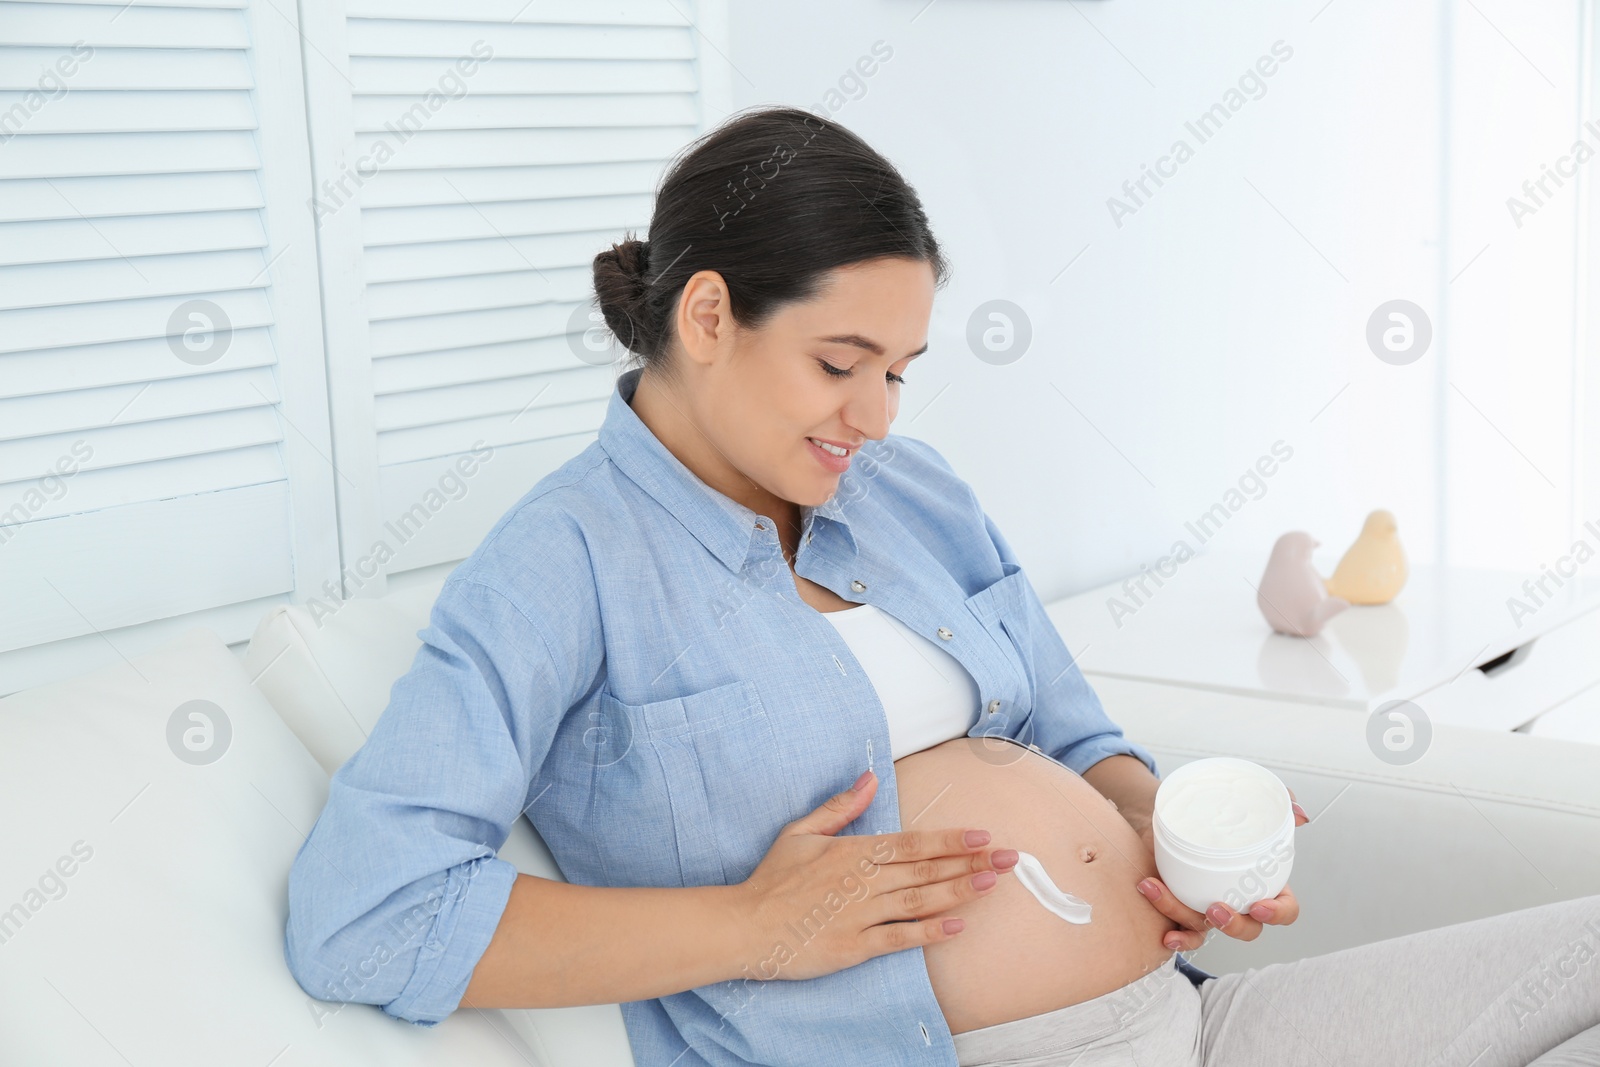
pixel 165 944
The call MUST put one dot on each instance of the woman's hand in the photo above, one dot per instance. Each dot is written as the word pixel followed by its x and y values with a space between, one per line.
pixel 817 903
pixel 1279 911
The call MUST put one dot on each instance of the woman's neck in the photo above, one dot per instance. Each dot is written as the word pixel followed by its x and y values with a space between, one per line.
pixel 666 415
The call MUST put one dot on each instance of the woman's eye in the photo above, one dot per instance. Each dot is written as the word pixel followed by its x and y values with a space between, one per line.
pixel 841 372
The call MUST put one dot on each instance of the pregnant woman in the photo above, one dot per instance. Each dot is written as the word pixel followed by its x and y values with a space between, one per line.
pixel 824 782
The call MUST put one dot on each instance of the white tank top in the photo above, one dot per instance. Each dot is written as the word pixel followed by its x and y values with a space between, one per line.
pixel 928 695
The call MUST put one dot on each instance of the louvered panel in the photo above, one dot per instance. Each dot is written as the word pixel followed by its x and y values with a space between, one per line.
pixel 224 4
pixel 131 69
pixel 439 296
pixel 375 114
pixel 401 75
pixel 70 155
pixel 125 405
pixel 499 482
pixel 451 40
pixel 120 320
pixel 38 199
pixel 42 371
pixel 166 479
pixel 120 446
pixel 53 284
pixel 450 259
pixel 535 424
pixel 127 237
pixel 190 555
pixel 92 111
pixel 519 148
pixel 458 366
pixel 469 328
pixel 139 189
pixel 462 222
pixel 510 397
pixel 408 188
pixel 481 217
pixel 613 13
pixel 132 26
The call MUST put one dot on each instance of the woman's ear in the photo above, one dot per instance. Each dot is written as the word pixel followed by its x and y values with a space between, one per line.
pixel 705 318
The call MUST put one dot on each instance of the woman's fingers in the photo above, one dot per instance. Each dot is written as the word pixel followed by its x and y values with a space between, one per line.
pixel 894 936
pixel 896 876
pixel 1234 924
pixel 1300 816
pixel 1279 911
pixel 923 899
pixel 1194 923
pixel 1184 940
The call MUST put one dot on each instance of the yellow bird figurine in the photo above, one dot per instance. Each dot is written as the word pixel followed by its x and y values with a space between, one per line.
pixel 1373 570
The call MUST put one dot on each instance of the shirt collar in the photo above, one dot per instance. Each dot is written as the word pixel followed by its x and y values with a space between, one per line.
pixel 725 526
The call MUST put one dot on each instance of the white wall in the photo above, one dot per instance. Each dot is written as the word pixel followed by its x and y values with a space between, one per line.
pixel 1230 310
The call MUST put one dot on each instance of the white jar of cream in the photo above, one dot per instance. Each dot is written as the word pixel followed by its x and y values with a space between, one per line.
pixel 1224 831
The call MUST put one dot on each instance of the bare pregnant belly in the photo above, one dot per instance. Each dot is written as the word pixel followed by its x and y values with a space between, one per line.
pixel 1016 959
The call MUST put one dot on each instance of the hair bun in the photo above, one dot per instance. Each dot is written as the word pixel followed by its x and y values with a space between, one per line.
pixel 633 256
pixel 623 293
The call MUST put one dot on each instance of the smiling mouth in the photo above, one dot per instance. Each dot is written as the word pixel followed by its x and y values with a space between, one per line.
pixel 831 449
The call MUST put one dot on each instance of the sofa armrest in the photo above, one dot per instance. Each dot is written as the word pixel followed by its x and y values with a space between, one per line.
pixel 1484 822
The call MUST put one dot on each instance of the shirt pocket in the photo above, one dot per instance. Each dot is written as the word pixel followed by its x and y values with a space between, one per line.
pixel 720 775
pixel 1002 608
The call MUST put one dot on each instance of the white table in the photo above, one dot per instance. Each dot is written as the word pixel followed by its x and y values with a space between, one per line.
pixel 1448 644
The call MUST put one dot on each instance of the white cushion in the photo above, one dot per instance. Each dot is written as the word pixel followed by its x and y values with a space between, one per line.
pixel 164 943
pixel 329 676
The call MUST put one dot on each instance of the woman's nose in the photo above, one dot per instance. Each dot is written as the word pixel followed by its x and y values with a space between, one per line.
pixel 869 413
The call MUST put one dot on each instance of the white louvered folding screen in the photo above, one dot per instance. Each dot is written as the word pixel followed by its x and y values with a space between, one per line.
pixel 148 480
pixel 457 234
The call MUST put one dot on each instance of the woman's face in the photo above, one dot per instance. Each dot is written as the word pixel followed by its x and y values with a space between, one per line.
pixel 826 370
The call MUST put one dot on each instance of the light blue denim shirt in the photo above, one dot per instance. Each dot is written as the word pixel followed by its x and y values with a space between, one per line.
pixel 626 659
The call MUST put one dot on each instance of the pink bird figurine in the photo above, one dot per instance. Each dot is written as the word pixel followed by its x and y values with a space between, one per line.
pixel 1291 595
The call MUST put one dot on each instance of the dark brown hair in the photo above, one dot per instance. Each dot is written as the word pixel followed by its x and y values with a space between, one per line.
pixel 773 199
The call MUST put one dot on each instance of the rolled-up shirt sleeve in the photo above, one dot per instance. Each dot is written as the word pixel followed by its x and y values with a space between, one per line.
pixel 397 891
pixel 1068 720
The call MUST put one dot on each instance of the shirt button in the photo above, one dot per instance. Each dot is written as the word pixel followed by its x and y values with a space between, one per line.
pixel 858 585
pixel 994 706
pixel 945 635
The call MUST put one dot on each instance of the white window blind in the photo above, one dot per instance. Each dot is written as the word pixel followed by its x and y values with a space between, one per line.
pixel 471 159
pixel 153 173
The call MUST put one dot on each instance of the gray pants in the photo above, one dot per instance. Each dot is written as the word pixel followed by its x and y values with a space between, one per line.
pixel 1512 990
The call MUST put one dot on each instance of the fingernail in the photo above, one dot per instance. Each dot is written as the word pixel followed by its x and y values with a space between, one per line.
pixel 975 838
pixel 1298 810
pixel 1149 889
pixel 954 926
pixel 1004 858
pixel 1261 911
pixel 984 879
pixel 1173 941
pixel 1218 915
pixel 866 776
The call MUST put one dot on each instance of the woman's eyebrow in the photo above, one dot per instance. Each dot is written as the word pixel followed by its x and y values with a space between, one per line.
pixel 870 345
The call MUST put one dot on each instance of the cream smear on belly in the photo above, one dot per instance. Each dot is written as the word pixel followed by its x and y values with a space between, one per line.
pixel 1031 873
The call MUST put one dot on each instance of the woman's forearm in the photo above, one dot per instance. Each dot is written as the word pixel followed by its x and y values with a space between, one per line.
pixel 1127 783
pixel 560 945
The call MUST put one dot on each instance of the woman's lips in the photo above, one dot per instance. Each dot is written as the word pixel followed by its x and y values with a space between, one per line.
pixel 834 464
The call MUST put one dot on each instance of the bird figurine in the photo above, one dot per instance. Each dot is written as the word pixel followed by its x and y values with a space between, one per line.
pixel 1292 596
pixel 1373 570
